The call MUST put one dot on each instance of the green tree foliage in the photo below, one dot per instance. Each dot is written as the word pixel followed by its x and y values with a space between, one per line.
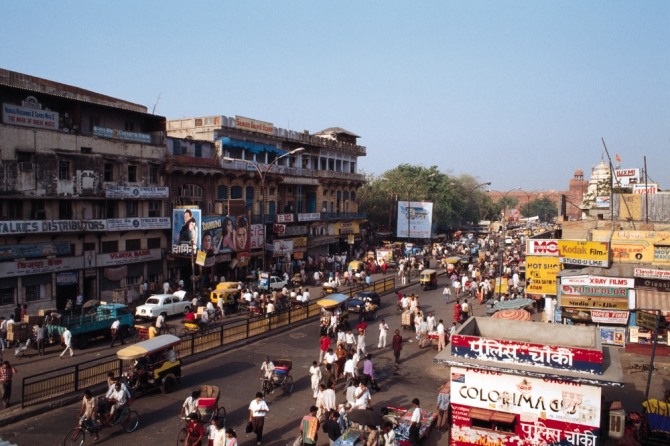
pixel 543 208
pixel 457 201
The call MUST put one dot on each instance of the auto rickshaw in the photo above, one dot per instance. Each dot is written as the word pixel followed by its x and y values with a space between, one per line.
pixel 229 292
pixel 428 279
pixel 152 364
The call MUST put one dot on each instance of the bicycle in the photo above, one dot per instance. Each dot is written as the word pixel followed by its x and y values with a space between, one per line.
pixel 128 419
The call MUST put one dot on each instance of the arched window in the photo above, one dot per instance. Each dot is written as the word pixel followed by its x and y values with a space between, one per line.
pixel 249 199
pixel 236 192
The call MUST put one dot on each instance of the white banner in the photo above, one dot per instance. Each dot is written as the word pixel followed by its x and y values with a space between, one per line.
pixel 415 219
pixel 128 224
pixel 112 191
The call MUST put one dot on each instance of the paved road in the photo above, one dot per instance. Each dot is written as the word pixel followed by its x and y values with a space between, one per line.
pixel 236 373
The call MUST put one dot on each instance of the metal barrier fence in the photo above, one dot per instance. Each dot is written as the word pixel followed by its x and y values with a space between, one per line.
pixel 63 381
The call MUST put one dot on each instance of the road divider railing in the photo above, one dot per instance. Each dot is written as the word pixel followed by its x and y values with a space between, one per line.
pixel 50 386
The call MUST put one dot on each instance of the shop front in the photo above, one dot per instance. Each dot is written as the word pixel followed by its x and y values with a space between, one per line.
pixel 508 391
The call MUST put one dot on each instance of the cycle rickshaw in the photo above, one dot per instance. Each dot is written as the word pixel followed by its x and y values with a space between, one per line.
pixel 281 377
pixel 208 408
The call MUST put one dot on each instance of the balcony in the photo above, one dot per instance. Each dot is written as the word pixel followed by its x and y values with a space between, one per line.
pixel 324 216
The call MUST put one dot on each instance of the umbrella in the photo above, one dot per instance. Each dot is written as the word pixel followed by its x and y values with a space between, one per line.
pixel 365 417
pixel 512 315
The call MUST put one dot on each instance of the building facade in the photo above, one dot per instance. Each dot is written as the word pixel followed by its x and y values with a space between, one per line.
pixel 83 194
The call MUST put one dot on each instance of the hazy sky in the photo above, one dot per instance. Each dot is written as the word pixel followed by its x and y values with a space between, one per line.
pixel 518 93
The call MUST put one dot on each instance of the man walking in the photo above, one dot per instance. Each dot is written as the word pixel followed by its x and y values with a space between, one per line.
pixel 397 346
pixel 309 427
pixel 258 408
pixel 415 421
pixel 67 340
pixel 440 336
pixel 446 293
pixel 383 330
pixel 360 346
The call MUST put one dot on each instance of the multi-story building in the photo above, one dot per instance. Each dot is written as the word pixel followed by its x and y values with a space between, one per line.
pixel 83 206
pixel 297 188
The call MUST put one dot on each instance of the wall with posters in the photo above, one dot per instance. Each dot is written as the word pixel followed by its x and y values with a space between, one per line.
pixel 186 230
pixel 636 246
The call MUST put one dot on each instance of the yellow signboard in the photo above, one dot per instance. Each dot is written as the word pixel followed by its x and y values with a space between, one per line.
pixel 541 274
pixel 574 252
pixel 602 303
pixel 637 246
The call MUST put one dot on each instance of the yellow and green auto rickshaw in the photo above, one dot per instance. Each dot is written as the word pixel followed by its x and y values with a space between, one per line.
pixel 428 279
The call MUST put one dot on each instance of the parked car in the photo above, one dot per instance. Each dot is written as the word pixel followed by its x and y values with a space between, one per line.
pixel 277 283
pixel 360 299
pixel 165 304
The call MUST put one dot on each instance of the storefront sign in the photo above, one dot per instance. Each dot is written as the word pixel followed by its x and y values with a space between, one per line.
pixel 282 247
pixel 637 246
pixel 614 282
pixel 278 229
pixel 257 235
pixel 122 135
pixel 543 247
pixel 112 191
pixel 604 303
pixel 613 336
pixel 51 226
pixel 625 177
pixel 526 353
pixel 31 116
pixel 284 218
pixel 597 291
pixel 313 216
pixel 126 257
pixel 31 250
pixel 296 230
pixel 41 266
pixel 646 320
pixel 253 125
pixel 649 273
pixel 657 284
pixel 541 274
pixel 583 253
pixel 534 399
pixel 645 188
pixel 609 317
pixel 144 223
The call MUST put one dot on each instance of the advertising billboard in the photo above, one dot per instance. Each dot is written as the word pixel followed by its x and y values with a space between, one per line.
pixel 573 252
pixel 415 219
pixel 625 177
pixel 186 227
pixel 541 274
pixel 228 234
pixel 542 247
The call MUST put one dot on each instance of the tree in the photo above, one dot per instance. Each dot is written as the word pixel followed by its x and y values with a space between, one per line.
pixel 543 208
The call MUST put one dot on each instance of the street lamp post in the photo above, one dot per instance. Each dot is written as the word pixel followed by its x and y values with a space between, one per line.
pixel 262 173
pixel 409 204
pixel 504 236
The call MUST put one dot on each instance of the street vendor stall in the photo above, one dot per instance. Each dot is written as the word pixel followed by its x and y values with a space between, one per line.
pixel 401 419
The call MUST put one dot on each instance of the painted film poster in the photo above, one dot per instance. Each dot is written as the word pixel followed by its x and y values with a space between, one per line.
pixel 225 234
pixel 497 409
pixel 186 227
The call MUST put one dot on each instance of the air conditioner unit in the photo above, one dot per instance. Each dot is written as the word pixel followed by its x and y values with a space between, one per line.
pixel 26 167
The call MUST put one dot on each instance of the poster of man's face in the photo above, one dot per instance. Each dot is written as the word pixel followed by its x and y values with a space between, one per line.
pixel 186 230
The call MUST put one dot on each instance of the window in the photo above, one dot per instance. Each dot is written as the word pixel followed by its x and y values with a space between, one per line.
pixel 109 246
pixel 15 209
pixel 236 192
pixel 133 244
pixel 109 172
pixel 154 243
pixel 190 191
pixel 88 246
pixel 63 170
pixel 154 208
pixel 24 157
pixel 198 150
pixel 153 174
pixel 132 174
pixel 64 210
pixel 129 126
pixel 93 121
pixel 6 296
pixel 132 208
pixel 222 192
pixel 33 292
pixel 37 211
pixel 110 209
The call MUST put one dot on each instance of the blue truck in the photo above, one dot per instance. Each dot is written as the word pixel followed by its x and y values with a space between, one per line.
pixel 91 324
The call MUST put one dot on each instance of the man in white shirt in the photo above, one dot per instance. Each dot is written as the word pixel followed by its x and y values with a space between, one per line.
pixel 440 336
pixel 305 295
pixel 117 334
pixel 160 321
pixel 362 396
pixel 258 408
pixel 328 398
pixel 415 423
pixel 330 357
pixel 119 397
pixel 430 320
pixel 383 330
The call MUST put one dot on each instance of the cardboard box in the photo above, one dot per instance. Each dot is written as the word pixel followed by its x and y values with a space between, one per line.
pixel 45 311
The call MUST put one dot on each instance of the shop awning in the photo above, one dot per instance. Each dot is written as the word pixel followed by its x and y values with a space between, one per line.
pixel 653 299
pixel 253 147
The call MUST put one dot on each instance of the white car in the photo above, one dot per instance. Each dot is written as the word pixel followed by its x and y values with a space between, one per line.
pixel 277 283
pixel 165 304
